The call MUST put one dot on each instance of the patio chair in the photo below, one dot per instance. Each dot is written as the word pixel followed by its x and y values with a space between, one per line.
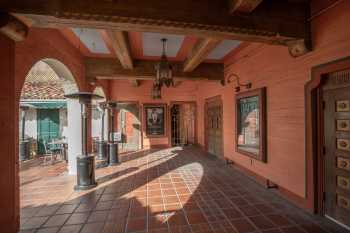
pixel 49 155
pixel 57 148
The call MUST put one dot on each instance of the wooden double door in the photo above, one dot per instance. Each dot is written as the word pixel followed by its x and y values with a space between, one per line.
pixel 213 126
pixel 336 150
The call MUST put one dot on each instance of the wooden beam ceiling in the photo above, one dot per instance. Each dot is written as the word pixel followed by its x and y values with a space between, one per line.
pixel 243 6
pixel 12 27
pixel 135 82
pixel 109 68
pixel 121 47
pixel 199 53
pixel 273 22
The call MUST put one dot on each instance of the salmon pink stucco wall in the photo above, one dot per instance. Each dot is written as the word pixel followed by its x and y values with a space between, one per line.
pixel 122 90
pixel 40 44
pixel 285 77
pixel 16 61
pixel 9 181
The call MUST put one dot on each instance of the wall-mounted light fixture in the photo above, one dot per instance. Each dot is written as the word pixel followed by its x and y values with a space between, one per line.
pixel 234 77
pixel 92 81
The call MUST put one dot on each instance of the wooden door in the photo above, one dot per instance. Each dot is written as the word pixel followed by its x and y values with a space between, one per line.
pixel 187 123
pixel 213 126
pixel 48 127
pixel 336 96
pixel 183 116
pixel 129 125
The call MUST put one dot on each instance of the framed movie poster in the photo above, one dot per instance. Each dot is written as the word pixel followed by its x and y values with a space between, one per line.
pixel 155 120
pixel 251 123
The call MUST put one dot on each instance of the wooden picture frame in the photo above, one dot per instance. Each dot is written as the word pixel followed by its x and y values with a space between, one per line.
pixel 251 124
pixel 156 113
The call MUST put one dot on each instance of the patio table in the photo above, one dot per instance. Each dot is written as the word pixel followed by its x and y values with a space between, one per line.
pixel 60 146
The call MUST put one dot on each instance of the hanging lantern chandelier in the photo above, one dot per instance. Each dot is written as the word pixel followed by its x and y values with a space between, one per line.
pixel 164 74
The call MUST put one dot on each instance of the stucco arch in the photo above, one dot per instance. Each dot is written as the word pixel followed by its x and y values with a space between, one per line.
pixel 53 49
pixel 68 81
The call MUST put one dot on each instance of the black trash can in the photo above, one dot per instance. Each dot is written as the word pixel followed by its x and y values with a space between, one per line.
pixel 101 151
pixel 24 150
pixel 113 153
pixel 85 172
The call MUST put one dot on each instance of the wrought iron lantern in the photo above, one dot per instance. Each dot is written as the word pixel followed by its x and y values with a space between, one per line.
pixel 164 74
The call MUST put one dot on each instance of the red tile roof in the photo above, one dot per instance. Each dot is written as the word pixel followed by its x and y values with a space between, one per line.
pixel 48 90
pixel 42 82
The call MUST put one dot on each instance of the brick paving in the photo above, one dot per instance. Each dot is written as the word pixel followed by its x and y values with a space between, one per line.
pixel 159 191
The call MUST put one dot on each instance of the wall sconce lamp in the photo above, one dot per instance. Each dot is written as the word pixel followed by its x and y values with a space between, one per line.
pixel 234 77
pixel 92 81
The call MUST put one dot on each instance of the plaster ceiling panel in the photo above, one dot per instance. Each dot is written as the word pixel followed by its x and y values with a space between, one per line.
pixel 223 49
pixel 152 45
pixel 92 39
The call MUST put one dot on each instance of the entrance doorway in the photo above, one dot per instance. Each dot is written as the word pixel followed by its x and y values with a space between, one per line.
pixel 183 123
pixel 213 126
pixel 336 159
pixel 48 127
pixel 129 125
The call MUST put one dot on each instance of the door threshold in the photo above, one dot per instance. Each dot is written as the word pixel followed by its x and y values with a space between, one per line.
pixel 337 222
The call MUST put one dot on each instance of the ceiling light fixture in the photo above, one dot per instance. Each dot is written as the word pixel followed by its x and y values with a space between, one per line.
pixel 164 74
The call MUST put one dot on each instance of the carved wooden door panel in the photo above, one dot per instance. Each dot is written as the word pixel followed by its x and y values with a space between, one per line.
pixel 187 123
pixel 214 128
pixel 337 151
pixel 129 125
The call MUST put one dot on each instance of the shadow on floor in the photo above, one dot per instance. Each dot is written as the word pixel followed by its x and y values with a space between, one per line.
pixel 173 190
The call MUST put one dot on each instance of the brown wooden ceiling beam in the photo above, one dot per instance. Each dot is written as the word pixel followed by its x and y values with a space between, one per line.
pixel 243 6
pixel 12 27
pixel 120 43
pixel 135 82
pixel 109 68
pixel 200 52
pixel 273 22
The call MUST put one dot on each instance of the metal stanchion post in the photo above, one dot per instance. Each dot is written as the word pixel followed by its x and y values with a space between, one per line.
pixel 101 144
pixel 112 145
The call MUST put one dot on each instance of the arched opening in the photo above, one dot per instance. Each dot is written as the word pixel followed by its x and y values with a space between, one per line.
pixel 49 132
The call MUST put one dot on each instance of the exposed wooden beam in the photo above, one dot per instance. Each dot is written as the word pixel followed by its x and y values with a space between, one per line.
pixel 243 6
pixel 298 48
pixel 121 47
pixel 274 22
pixel 135 82
pixel 200 52
pixel 13 27
pixel 109 68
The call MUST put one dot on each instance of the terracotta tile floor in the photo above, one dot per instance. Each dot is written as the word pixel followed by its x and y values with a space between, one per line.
pixel 170 190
